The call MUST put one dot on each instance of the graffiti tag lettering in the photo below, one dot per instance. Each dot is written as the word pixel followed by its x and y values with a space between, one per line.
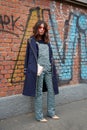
pixel 8 24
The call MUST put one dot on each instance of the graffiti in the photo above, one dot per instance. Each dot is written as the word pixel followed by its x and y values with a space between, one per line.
pixel 75 32
pixel 75 35
pixel 8 24
pixel 36 13
pixel 34 1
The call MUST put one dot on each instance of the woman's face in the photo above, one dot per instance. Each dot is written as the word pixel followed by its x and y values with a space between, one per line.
pixel 41 29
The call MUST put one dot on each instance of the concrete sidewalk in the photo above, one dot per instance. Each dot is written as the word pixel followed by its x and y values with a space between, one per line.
pixel 73 116
pixel 14 105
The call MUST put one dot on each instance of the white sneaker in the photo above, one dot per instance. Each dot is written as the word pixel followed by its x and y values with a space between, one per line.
pixel 55 117
pixel 43 120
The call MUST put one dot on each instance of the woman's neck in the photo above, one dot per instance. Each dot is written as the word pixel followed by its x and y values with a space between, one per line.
pixel 40 37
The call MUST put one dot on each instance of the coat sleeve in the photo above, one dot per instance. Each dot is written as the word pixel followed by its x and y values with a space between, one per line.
pixel 52 61
pixel 26 57
pixel 51 53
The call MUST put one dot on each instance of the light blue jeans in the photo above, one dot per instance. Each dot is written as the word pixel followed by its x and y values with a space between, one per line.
pixel 47 76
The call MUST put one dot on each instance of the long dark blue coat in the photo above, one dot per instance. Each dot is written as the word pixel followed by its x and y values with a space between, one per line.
pixel 31 70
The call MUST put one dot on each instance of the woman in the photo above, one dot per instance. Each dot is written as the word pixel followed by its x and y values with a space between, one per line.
pixel 39 52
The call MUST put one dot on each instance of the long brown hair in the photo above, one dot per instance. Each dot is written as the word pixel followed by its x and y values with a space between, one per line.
pixel 45 37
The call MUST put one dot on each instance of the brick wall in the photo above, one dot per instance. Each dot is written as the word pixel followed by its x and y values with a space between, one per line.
pixel 68 36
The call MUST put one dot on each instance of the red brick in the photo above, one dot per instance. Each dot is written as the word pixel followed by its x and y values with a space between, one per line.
pixel 3 94
pixel 4 72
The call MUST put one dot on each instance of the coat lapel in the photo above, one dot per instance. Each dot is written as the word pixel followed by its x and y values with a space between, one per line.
pixel 33 46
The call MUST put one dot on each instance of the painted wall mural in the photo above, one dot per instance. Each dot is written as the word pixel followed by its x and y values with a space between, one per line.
pixel 64 51
pixel 75 34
